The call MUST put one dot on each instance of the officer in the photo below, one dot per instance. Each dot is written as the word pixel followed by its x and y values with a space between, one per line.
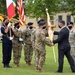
pixel 28 50
pixel 40 44
pixel 6 42
pixel 17 44
pixel 72 39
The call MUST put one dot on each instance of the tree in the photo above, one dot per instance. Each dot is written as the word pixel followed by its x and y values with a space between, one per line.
pixel 3 6
pixel 36 8
pixel 71 6
pixel 68 6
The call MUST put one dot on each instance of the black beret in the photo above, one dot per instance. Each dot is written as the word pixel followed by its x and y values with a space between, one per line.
pixel 70 23
pixel 41 22
pixel 16 24
pixel 30 23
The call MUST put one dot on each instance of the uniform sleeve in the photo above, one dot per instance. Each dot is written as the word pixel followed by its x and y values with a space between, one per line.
pixel 43 38
pixel 3 30
pixel 56 33
pixel 60 38
pixel 33 38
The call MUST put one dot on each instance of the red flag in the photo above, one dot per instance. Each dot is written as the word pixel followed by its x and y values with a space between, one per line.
pixel 10 9
pixel 20 8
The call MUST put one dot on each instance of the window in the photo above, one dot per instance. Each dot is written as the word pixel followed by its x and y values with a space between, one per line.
pixel 59 17
pixel 68 18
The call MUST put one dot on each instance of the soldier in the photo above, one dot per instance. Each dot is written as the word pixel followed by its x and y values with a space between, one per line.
pixel 28 50
pixel 72 39
pixel 40 43
pixel 17 44
pixel 6 42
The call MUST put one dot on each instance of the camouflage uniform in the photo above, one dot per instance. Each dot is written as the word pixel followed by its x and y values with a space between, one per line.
pixel 72 42
pixel 17 47
pixel 40 43
pixel 28 50
pixel 33 38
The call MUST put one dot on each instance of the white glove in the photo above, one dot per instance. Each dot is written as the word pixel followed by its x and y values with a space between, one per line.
pixel 11 38
pixel 20 39
pixel 9 24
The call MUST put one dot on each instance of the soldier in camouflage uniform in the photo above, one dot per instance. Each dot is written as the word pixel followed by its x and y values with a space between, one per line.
pixel 72 39
pixel 40 43
pixel 17 44
pixel 28 50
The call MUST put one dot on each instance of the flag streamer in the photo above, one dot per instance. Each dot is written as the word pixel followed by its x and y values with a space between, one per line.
pixel 20 9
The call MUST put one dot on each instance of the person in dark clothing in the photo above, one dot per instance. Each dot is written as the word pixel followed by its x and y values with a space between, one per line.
pixel 6 42
pixel 63 47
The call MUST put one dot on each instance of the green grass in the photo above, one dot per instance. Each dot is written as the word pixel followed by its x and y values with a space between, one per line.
pixel 49 67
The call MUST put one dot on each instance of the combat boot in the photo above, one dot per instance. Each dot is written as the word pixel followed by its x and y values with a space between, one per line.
pixel 7 66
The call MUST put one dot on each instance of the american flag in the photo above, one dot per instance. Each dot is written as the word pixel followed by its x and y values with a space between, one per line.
pixel 20 8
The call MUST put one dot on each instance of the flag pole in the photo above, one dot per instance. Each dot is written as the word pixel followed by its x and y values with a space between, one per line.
pixel 54 54
pixel 50 32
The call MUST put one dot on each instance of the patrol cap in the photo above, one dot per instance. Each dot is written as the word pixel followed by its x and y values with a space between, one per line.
pixel 41 22
pixel 16 24
pixel 30 23
pixel 70 23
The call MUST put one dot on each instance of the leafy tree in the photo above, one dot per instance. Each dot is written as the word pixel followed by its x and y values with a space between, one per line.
pixel 71 6
pixel 36 8
pixel 3 6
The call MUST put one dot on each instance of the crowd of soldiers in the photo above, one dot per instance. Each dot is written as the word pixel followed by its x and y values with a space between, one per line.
pixel 33 40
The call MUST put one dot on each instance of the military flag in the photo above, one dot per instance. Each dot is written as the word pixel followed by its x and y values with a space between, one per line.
pixel 50 32
pixel 20 8
pixel 10 9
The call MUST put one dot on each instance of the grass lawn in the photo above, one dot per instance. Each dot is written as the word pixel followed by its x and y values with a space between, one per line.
pixel 49 67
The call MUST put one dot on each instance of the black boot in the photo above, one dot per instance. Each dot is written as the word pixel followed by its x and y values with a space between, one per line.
pixel 7 66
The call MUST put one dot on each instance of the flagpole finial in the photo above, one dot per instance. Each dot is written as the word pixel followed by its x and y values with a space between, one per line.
pixel 46 9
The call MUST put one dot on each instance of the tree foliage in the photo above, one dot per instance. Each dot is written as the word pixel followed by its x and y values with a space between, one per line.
pixel 36 8
pixel 3 6
pixel 71 6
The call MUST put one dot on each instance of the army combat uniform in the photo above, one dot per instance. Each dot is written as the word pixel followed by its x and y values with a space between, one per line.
pixel 28 50
pixel 40 51
pixel 72 42
pixel 17 47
